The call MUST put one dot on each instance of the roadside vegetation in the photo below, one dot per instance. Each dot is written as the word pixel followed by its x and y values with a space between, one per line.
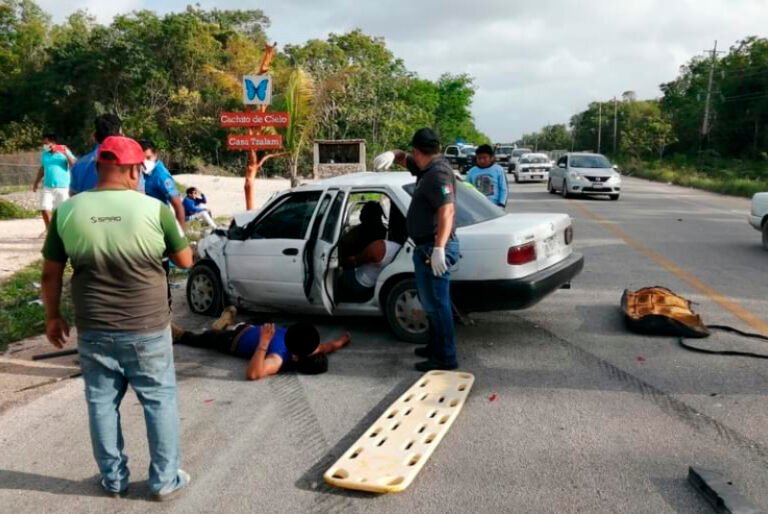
pixel 21 309
pixel 11 211
pixel 725 176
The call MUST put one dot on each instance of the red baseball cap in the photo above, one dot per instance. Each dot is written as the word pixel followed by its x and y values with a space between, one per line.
pixel 126 151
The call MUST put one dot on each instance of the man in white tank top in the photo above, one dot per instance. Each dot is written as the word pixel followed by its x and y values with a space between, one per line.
pixel 361 271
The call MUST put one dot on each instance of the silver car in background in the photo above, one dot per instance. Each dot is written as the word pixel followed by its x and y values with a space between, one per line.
pixel 584 174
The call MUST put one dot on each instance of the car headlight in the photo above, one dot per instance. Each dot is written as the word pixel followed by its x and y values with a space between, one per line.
pixel 575 175
pixel 614 179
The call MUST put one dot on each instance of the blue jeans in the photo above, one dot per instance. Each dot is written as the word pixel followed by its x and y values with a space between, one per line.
pixel 110 361
pixel 435 297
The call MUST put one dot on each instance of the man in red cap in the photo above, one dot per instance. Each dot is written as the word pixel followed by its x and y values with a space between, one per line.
pixel 115 238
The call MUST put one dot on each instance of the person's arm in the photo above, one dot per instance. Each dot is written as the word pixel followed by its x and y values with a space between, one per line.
pixel 502 189
pixel 175 241
pixel 334 345
pixel 374 252
pixel 406 160
pixel 445 216
pixel 56 328
pixel 38 178
pixel 178 208
pixel 262 365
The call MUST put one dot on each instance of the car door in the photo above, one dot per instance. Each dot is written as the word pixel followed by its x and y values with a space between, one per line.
pixel 559 171
pixel 323 261
pixel 267 269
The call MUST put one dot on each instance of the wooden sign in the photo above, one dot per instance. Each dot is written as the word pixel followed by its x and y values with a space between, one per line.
pixel 254 142
pixel 254 119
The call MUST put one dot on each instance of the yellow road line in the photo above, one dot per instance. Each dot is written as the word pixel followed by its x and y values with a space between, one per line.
pixel 737 310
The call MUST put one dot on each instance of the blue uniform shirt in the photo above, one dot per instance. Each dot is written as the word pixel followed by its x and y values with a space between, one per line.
pixel 160 184
pixel 85 177
pixel 491 181
pixel 249 341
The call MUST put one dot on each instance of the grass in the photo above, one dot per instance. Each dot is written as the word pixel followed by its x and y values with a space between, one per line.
pixel 11 211
pixel 21 314
pixel 729 177
pixel 4 190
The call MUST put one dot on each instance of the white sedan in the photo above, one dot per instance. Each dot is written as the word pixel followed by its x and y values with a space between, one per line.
pixel 758 217
pixel 532 166
pixel 584 174
pixel 285 257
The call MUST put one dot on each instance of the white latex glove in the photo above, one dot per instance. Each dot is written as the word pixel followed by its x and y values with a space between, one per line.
pixel 383 161
pixel 439 266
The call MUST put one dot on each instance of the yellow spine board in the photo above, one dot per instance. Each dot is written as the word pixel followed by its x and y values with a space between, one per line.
pixel 389 455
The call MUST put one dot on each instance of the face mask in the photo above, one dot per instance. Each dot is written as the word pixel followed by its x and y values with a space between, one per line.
pixel 149 165
pixel 46 147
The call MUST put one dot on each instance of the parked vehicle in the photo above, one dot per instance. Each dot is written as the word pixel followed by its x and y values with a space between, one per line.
pixel 461 157
pixel 514 157
pixel 286 256
pixel 758 216
pixel 584 174
pixel 503 153
pixel 532 167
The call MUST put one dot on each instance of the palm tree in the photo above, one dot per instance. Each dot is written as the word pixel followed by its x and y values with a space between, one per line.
pixel 302 104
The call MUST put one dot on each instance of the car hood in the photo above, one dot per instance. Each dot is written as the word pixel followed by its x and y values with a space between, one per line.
pixel 595 172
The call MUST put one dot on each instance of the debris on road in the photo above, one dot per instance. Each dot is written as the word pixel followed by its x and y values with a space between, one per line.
pixel 493 397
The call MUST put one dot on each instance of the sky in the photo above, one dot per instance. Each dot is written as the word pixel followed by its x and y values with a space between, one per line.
pixel 534 62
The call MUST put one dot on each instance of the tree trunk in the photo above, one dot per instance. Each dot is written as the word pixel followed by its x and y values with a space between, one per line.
pixel 294 166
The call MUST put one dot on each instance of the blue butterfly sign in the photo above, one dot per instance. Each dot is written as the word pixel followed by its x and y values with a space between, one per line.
pixel 257 89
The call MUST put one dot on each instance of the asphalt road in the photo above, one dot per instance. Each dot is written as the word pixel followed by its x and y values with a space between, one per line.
pixel 569 412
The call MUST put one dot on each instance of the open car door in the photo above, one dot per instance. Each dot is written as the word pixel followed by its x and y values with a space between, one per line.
pixel 322 255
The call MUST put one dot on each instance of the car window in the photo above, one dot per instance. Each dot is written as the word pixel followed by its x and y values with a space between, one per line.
pixel 533 159
pixel 290 219
pixel 452 150
pixel 472 206
pixel 562 160
pixel 589 161
pixel 504 150
pixel 468 150
pixel 520 151
pixel 329 230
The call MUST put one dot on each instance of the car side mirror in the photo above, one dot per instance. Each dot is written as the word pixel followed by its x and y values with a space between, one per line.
pixel 615 167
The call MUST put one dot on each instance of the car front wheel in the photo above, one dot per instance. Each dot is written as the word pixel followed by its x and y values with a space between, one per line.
pixel 551 188
pixel 405 314
pixel 204 291
pixel 564 191
pixel 765 235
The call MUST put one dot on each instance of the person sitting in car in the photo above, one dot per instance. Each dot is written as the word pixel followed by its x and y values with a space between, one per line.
pixel 361 271
pixel 370 229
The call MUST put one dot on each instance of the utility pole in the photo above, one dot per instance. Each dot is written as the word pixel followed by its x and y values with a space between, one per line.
pixel 615 124
pixel 705 125
pixel 599 124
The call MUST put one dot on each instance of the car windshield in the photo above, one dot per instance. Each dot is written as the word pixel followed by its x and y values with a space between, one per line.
pixel 534 159
pixel 589 161
pixel 520 151
pixel 468 150
pixel 472 207
pixel 504 149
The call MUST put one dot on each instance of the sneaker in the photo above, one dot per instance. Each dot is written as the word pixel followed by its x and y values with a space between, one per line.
pixel 226 319
pixel 184 480
pixel 113 494
pixel 430 365
pixel 422 351
pixel 176 332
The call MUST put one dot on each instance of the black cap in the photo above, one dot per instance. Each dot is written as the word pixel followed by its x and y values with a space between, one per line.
pixel 426 140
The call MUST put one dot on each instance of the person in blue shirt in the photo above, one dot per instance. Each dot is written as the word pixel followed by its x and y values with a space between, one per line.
pixel 55 162
pixel 196 207
pixel 488 177
pixel 158 182
pixel 269 348
pixel 84 176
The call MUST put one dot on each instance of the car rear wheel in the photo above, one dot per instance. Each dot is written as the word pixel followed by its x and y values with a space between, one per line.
pixel 204 292
pixel 405 314
pixel 765 234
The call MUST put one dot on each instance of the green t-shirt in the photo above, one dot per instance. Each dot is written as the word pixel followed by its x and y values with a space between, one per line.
pixel 115 240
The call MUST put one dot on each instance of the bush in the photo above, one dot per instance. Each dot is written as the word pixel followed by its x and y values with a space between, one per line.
pixel 11 211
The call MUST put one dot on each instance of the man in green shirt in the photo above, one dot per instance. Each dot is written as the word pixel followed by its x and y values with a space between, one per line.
pixel 115 238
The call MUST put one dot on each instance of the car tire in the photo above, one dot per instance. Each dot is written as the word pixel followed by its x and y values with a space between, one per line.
pixel 517 179
pixel 401 310
pixel 551 189
pixel 765 235
pixel 614 197
pixel 205 294
pixel 564 191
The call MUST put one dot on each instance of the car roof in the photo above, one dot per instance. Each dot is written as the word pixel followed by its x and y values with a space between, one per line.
pixel 537 154
pixel 366 178
pixel 585 153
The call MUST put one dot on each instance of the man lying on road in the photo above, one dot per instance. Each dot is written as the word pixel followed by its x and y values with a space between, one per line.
pixel 269 347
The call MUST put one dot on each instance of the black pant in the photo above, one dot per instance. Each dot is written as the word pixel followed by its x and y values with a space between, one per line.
pixel 219 340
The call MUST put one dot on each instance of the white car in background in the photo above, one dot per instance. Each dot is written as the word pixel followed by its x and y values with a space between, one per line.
pixel 584 174
pixel 285 257
pixel 515 156
pixel 532 166
pixel 758 216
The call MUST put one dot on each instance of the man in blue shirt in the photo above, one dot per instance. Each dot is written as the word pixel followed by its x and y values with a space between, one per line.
pixel 84 176
pixel 488 177
pixel 158 182
pixel 269 348
pixel 196 207
pixel 55 162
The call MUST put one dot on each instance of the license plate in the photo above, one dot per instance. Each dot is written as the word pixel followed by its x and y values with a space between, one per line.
pixel 597 185
pixel 550 246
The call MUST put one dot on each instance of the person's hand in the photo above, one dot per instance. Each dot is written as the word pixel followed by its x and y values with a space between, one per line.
pixel 437 259
pixel 59 148
pixel 267 333
pixel 383 161
pixel 57 332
